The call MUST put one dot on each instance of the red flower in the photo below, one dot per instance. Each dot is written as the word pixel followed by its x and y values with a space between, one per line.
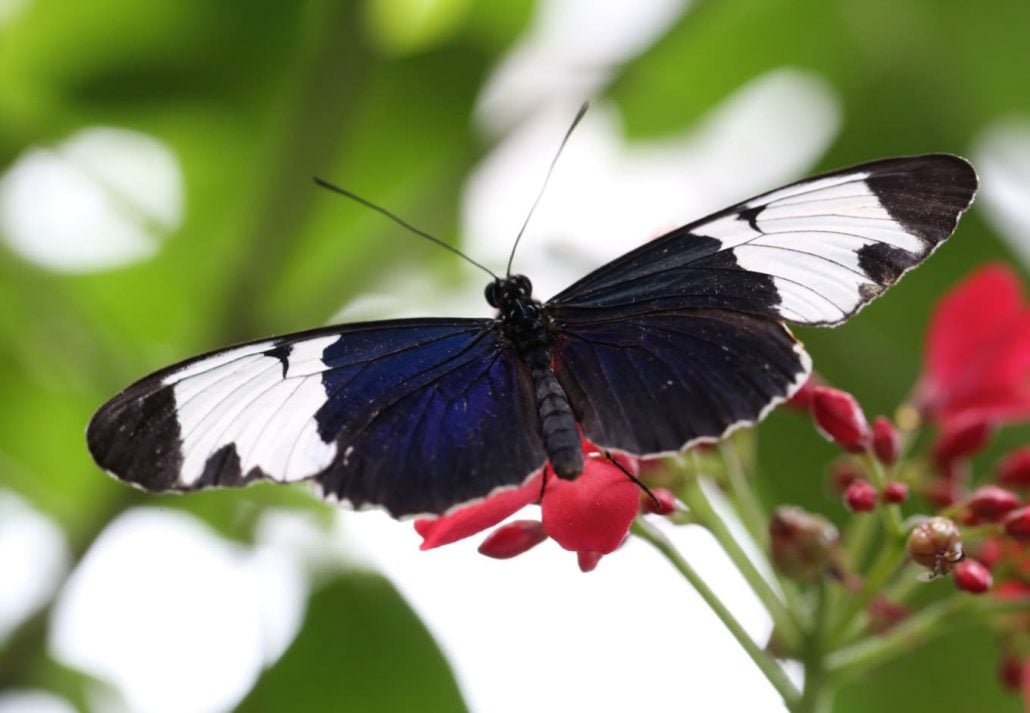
pixel 977 363
pixel 590 515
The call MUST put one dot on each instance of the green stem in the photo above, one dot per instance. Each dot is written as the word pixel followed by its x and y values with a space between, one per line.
pixel 648 532
pixel 890 559
pixel 873 651
pixel 786 626
pixel 750 511
pixel 891 511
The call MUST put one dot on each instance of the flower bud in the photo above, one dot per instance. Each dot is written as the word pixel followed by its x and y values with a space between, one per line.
pixel 960 440
pixel 1014 469
pixel 935 544
pixel 992 503
pixel 990 552
pixel 588 560
pixel 1010 671
pixel 663 502
pixel 886 441
pixel 844 472
pixel 802 398
pixel 839 417
pixel 1017 524
pixel 885 614
pixel 860 496
pixel 802 544
pixel 513 539
pixel 895 492
pixel 971 576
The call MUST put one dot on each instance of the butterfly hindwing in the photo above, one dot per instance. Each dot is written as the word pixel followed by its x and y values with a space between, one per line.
pixel 813 252
pixel 404 414
pixel 652 384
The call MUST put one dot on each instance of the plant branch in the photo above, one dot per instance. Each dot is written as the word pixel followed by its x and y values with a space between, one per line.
pixel 649 533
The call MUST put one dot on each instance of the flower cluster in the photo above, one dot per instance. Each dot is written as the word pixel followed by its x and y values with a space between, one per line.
pixel 975 381
pixel 590 515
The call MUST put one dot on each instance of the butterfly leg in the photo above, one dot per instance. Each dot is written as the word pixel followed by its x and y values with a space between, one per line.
pixel 607 455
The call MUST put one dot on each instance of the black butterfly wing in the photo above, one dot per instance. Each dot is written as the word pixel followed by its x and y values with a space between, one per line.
pixel 656 383
pixel 417 416
pixel 813 252
pixel 682 339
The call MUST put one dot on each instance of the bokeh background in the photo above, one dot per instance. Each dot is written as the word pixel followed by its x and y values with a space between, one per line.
pixel 156 201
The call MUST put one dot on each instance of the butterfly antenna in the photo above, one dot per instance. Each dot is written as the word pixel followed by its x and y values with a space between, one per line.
pixel 575 122
pixel 400 221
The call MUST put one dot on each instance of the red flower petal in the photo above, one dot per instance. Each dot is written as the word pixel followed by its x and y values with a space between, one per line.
pixel 978 351
pixel 470 519
pixel 593 512
pixel 588 560
pixel 513 539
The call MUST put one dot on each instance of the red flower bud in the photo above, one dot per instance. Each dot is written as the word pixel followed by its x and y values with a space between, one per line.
pixel 802 398
pixel 839 417
pixel 990 552
pixel 1017 524
pixel 1014 469
pixel 992 503
pixel 665 505
pixel 886 441
pixel 860 496
pixel 961 439
pixel 895 492
pixel 1010 671
pixel 844 472
pixel 513 539
pixel 935 544
pixel 588 560
pixel 884 614
pixel 971 576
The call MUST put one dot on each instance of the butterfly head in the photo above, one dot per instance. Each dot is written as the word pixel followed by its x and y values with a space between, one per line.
pixel 505 291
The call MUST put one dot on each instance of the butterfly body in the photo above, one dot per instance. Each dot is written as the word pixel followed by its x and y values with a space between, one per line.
pixel 678 342
pixel 529 331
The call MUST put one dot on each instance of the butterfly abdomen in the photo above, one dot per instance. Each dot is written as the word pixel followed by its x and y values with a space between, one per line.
pixel 557 422
pixel 526 326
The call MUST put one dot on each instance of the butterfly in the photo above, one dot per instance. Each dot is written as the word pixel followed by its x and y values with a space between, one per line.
pixel 677 342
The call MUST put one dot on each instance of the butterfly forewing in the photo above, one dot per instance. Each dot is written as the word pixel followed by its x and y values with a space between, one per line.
pixel 812 253
pixel 681 339
pixel 403 414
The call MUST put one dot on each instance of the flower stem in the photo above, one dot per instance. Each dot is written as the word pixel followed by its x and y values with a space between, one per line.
pixel 890 558
pixel 786 626
pixel 891 511
pixel 648 532
pixel 751 513
pixel 935 620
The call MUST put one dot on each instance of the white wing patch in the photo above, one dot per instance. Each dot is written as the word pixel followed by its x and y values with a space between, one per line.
pixel 809 239
pixel 243 398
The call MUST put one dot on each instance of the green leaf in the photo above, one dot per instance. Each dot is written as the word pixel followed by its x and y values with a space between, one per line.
pixel 360 649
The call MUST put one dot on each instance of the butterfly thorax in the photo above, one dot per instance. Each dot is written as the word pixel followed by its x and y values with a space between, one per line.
pixel 525 324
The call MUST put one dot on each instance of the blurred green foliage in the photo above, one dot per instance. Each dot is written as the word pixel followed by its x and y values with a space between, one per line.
pixel 255 97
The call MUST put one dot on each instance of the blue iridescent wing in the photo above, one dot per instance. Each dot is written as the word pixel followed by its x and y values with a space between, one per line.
pixel 682 339
pixel 416 416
